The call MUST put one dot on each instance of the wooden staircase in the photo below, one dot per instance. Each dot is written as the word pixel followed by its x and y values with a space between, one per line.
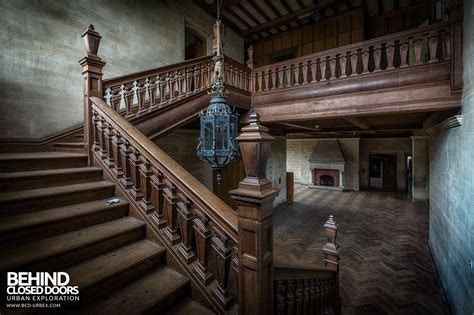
pixel 55 217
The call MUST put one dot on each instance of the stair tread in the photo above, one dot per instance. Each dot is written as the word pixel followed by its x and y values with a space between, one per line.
pixel 143 294
pixel 51 191
pixel 48 247
pixel 23 220
pixel 47 172
pixel 96 269
pixel 71 144
pixel 38 155
pixel 190 307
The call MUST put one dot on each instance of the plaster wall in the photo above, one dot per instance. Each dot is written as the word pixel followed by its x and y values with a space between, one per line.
pixel 181 145
pixel 300 150
pixel 451 236
pixel 393 146
pixel 40 78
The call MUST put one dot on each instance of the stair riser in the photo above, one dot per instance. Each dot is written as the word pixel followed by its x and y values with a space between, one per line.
pixel 119 280
pixel 54 201
pixel 64 259
pixel 41 164
pixel 62 226
pixel 50 181
pixel 170 301
pixel 70 149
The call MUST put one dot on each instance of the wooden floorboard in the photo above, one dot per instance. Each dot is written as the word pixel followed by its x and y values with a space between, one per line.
pixel 386 266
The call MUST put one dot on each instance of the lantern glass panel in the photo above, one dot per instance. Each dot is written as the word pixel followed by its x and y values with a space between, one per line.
pixel 208 135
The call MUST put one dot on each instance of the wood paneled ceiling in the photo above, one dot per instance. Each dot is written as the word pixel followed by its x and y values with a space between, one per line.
pixel 256 19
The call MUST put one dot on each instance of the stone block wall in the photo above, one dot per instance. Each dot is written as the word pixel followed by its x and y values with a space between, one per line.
pixel 276 168
pixel 451 236
pixel 394 146
pixel 300 150
pixel 41 45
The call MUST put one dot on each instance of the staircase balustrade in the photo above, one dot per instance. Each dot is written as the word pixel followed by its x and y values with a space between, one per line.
pixel 396 51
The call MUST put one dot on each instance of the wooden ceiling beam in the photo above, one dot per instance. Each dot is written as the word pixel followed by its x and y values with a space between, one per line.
pixel 285 19
pixel 272 8
pixel 246 12
pixel 358 122
pixel 299 126
pixel 257 8
pixel 211 9
pixel 287 6
pixel 238 18
pixel 300 4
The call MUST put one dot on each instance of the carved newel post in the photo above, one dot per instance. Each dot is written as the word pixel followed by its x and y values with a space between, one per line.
pixel 92 83
pixel 254 197
pixel 331 249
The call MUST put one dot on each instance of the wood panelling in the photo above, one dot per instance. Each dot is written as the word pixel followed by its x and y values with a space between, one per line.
pixel 330 33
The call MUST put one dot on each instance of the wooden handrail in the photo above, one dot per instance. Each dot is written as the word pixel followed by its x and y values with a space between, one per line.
pixel 140 74
pixel 287 272
pixel 213 207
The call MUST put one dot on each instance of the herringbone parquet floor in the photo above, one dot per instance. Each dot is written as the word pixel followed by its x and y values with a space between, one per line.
pixel 385 267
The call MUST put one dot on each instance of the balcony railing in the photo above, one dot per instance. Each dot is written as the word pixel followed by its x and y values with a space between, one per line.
pixel 402 50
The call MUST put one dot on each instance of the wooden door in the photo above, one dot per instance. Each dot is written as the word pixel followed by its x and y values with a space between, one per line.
pixel 390 172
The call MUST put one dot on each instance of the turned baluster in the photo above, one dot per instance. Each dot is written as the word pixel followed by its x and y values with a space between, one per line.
pixel 203 234
pixel 403 54
pixel 296 69
pixel 109 134
pixel 115 97
pixel 365 61
pixel 235 267
pixel 274 83
pixel 433 43
pixel 281 77
pixel 322 66
pixel 196 71
pixel 152 90
pixel 314 70
pixel 306 296
pixel 290 296
pixel 332 68
pixel 174 85
pixel 126 151
pixel 312 297
pixel 342 62
pixel 202 71
pixel 209 74
pixel 288 71
pixel 377 57
pixel 299 296
pixel 167 89
pixel 390 50
pixel 95 131
pixel 418 47
pixel 162 87
pixel 157 199
pixel 305 72
pixel 180 85
pixel 116 144
pixel 135 162
pixel 223 258
pixel 265 78
pixel 102 140
pixel 189 80
pixel 171 204
pixel 447 45
pixel 354 58
pixel 145 184
pixel 186 218
pixel 129 94
pixel 280 297
pixel 141 90
pixel 259 80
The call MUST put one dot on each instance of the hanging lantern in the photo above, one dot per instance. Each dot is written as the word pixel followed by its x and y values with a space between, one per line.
pixel 219 123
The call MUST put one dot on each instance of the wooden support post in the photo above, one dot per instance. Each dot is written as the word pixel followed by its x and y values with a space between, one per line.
pixel 254 197
pixel 92 84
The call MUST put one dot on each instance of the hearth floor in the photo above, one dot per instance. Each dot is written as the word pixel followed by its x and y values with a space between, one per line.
pixel 386 266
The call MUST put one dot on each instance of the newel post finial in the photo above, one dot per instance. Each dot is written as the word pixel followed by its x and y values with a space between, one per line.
pixel 92 83
pixel 254 197
pixel 331 249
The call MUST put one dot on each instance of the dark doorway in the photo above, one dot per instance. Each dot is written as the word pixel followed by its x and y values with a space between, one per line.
pixel 383 172
pixel 195 45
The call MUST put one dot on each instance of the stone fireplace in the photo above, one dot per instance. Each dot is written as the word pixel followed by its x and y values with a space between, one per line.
pixel 327 165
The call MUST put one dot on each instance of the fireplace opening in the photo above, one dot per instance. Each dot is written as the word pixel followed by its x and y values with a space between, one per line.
pixel 326 180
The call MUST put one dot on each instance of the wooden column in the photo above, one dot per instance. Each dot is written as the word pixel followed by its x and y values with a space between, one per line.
pixel 92 83
pixel 254 197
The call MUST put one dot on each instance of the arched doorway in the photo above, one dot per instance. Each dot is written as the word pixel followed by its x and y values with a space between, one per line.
pixel 195 44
